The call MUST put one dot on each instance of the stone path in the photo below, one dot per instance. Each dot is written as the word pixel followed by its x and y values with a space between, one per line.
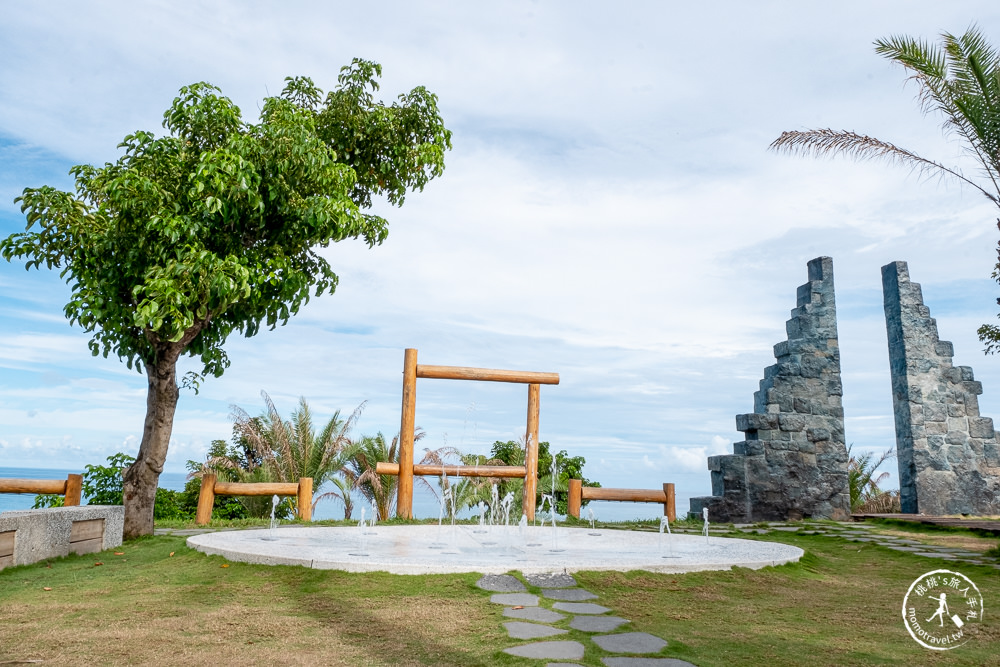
pixel 864 534
pixel 562 599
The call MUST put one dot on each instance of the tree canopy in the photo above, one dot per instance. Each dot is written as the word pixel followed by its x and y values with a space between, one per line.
pixel 216 227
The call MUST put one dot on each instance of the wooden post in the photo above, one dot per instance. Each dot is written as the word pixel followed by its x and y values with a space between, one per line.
pixel 669 510
pixel 531 452
pixel 206 499
pixel 305 498
pixel 575 498
pixel 404 497
pixel 74 489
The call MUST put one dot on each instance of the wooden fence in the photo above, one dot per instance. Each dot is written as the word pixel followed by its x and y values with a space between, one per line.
pixel 211 487
pixel 578 493
pixel 70 488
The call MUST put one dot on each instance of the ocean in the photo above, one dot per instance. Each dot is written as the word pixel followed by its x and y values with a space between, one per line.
pixel 425 504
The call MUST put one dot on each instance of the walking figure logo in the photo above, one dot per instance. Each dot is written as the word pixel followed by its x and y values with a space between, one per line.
pixel 931 592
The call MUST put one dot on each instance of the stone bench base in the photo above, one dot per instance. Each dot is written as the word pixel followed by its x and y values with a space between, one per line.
pixel 28 536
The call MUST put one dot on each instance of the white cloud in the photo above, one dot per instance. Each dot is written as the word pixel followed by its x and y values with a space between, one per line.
pixel 610 212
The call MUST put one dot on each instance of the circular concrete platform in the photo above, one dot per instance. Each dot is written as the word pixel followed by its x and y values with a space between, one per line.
pixel 433 550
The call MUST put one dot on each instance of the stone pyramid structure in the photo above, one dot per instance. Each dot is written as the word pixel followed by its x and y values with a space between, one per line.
pixel 792 463
pixel 948 456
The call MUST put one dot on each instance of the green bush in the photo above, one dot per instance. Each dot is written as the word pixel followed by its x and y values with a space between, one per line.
pixel 102 485
pixel 48 500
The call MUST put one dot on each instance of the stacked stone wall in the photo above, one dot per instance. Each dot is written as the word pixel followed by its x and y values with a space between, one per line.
pixel 947 453
pixel 792 463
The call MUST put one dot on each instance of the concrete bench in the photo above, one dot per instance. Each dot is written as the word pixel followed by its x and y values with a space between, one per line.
pixel 28 536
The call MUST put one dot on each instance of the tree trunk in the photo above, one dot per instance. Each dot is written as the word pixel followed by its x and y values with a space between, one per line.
pixel 142 477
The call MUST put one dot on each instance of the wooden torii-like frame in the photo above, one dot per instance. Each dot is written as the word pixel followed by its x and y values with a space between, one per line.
pixel 406 468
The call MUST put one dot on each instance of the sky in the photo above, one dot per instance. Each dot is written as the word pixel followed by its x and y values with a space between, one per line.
pixel 610 211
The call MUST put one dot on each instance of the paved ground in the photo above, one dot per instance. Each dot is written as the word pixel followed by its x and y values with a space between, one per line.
pixel 428 549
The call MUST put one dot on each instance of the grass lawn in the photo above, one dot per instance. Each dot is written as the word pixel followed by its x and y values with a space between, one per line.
pixel 154 601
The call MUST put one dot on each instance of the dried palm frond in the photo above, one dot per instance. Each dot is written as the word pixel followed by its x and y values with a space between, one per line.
pixel 886 502
pixel 862 147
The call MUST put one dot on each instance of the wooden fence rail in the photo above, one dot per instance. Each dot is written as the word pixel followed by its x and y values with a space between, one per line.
pixel 70 488
pixel 385 468
pixel 211 487
pixel 578 493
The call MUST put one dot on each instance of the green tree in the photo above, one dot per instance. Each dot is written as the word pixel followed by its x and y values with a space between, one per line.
pixel 960 80
pixel 214 228
pixel 567 467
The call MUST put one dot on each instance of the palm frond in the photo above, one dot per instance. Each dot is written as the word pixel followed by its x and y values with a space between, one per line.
pixel 862 147
pixel 962 82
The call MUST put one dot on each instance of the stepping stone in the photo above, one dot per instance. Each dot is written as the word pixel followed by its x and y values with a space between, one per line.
pixel 645 662
pixel 522 630
pixel 551 580
pixel 542 650
pixel 860 539
pixel 568 594
pixel 934 554
pixel 515 599
pixel 596 623
pixel 630 642
pixel 501 583
pixel 904 548
pixel 787 529
pixel 533 614
pixel 580 608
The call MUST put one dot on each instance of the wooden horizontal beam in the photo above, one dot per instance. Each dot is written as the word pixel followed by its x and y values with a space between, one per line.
pixel 256 489
pixel 625 495
pixel 33 486
pixel 485 374
pixel 385 468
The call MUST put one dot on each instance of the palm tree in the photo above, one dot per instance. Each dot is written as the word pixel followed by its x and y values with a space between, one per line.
pixel 961 81
pixel 866 495
pixel 343 485
pixel 379 490
pixel 271 449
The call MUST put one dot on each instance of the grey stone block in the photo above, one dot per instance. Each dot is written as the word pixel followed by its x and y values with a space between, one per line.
pixel 568 594
pixel 630 642
pixel 522 630
pixel 544 650
pixel 646 662
pixel 596 623
pixel 580 608
pixel 500 583
pixel 538 614
pixel 48 533
pixel 515 599
pixel 551 580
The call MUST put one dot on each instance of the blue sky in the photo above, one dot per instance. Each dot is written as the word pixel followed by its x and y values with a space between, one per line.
pixel 610 212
